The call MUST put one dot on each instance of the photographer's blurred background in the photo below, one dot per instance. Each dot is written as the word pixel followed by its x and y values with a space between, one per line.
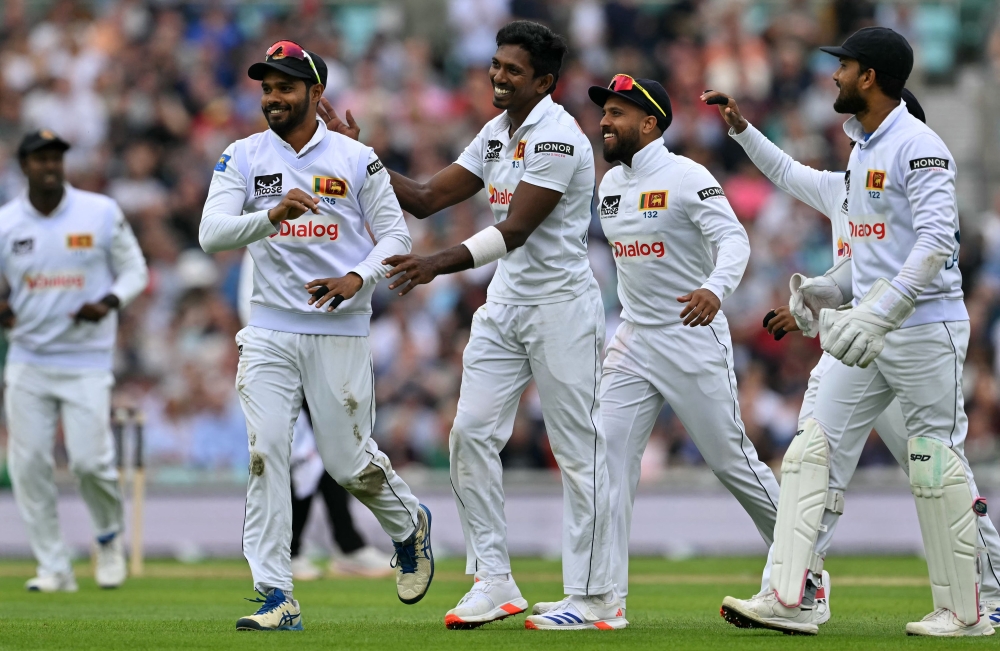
pixel 150 92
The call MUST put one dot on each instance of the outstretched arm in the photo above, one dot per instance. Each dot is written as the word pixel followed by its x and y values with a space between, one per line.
pixel 529 207
pixel 823 191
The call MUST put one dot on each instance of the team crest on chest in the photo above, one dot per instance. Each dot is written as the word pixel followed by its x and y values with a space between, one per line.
pixel 328 186
pixel 875 180
pixel 79 241
pixel 653 199
pixel 519 152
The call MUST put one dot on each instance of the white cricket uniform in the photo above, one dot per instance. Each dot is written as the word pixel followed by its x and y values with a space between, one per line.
pixel 662 215
pixel 61 370
pixel 826 192
pixel 543 320
pixel 291 351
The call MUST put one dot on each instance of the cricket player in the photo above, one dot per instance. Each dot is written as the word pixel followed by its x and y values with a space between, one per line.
pixel 543 320
pixel 904 337
pixel 297 346
pixel 71 261
pixel 826 193
pixel 663 214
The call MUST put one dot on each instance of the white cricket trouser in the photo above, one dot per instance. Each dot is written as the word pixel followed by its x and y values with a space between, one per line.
pixel 334 375
pixel 36 398
pixel 692 370
pixel 559 346
pixel 890 424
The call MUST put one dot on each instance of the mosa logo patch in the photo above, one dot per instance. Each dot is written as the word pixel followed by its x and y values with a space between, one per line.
pixel 609 206
pixel 57 280
pixel 519 152
pixel 267 185
pixel 875 180
pixel 79 241
pixel 653 199
pixel 500 196
pixel 708 193
pixel 493 149
pixel 328 186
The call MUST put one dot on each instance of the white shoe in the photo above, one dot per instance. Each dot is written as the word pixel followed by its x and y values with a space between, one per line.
pixel 111 570
pixel 491 599
pixel 765 611
pixel 304 570
pixel 414 561
pixel 543 607
pixel 577 613
pixel 367 562
pixel 990 610
pixel 278 613
pixel 943 623
pixel 821 611
pixel 52 583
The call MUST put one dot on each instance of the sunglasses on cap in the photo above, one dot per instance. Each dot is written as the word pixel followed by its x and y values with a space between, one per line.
pixel 283 49
pixel 624 82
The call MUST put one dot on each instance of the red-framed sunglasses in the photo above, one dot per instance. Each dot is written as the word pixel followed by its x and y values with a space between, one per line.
pixel 283 49
pixel 623 82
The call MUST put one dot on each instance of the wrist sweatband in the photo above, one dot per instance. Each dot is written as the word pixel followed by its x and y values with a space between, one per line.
pixel 486 246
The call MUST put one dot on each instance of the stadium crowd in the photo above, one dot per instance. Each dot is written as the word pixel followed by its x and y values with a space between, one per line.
pixel 150 93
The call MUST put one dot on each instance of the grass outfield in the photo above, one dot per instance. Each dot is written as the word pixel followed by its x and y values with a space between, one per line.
pixel 673 604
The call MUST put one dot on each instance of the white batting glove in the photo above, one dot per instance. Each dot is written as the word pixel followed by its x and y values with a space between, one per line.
pixel 809 296
pixel 856 336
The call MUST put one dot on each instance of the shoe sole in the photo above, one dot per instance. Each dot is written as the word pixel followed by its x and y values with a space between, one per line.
pixel 613 624
pixel 250 625
pixel 509 609
pixel 430 555
pixel 742 620
pixel 972 631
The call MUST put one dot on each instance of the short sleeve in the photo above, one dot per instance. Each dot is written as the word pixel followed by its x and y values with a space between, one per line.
pixel 551 158
pixel 472 157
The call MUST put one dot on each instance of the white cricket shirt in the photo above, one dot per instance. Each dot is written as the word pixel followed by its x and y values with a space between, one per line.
pixel 549 150
pixel 662 216
pixel 79 253
pixel 254 174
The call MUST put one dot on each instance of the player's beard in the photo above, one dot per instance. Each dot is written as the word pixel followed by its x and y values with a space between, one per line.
pixel 286 124
pixel 626 143
pixel 849 101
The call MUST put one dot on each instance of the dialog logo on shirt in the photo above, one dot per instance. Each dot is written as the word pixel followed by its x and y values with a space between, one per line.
pixel 57 280
pixel 500 196
pixel 267 185
pixel 609 206
pixel 493 149
pixel 519 152
pixel 310 230
pixel 79 241
pixel 642 249
pixel 328 186
pixel 875 180
pixel 653 199
pixel 843 248
pixel 20 247
pixel 867 231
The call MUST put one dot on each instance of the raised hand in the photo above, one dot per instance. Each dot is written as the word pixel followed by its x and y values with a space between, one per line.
pixel 334 123
pixel 728 109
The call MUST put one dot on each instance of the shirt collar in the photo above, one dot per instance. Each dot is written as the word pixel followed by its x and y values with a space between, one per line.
pixel 856 132
pixel 317 138
pixel 63 203
pixel 645 158
pixel 536 114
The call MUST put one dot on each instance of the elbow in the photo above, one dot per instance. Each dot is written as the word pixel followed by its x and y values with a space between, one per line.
pixel 209 243
pixel 515 239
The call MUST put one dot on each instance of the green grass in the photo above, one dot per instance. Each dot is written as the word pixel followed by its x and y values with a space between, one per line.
pixel 672 605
